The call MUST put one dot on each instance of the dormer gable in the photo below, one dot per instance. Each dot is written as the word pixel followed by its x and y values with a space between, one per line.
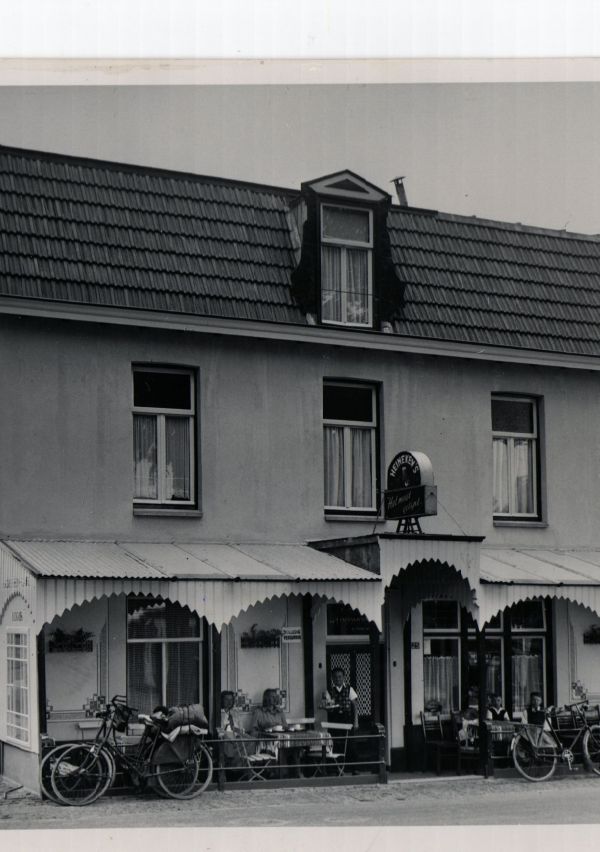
pixel 346 276
pixel 348 186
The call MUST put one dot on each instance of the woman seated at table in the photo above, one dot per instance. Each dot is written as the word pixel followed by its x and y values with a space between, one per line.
pixel 496 710
pixel 269 715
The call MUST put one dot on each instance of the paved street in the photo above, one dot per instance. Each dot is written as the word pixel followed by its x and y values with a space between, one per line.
pixel 414 802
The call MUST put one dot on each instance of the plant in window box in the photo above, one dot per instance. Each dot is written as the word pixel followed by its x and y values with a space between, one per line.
pixel 592 635
pixel 63 641
pixel 260 638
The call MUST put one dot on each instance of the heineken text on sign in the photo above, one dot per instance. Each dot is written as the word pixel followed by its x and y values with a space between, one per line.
pixel 410 490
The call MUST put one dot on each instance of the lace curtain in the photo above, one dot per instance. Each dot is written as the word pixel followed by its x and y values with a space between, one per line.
pixel 360 473
pixel 521 473
pixel 440 676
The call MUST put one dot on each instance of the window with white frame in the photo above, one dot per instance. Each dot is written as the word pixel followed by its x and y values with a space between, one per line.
pixel 163 436
pixel 346 265
pixel 350 447
pixel 164 642
pixel 528 651
pixel 515 457
pixel 17 686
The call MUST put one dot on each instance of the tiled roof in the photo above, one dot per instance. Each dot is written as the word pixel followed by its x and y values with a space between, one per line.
pixel 124 236
pixel 85 231
pixel 493 283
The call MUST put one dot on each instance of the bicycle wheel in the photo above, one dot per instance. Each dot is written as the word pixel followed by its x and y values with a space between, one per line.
pixel 80 776
pixel 535 764
pixel 591 748
pixel 46 767
pixel 178 780
pixel 205 769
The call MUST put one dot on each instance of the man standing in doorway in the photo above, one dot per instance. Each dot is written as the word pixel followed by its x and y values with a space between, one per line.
pixel 342 706
pixel 342 700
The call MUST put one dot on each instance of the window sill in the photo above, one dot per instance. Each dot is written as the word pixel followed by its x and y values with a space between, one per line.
pixel 158 512
pixel 24 746
pixel 371 519
pixel 516 523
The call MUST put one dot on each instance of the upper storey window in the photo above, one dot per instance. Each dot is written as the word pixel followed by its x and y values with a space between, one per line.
pixel 515 457
pixel 346 265
pixel 163 436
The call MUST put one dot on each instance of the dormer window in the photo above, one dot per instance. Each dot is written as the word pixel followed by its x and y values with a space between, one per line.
pixel 346 265
pixel 346 273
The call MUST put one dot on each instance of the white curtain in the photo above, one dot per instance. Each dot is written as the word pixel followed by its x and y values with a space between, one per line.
pixel 334 465
pixel 177 474
pixel 500 461
pixel 526 678
pixel 440 676
pixel 357 300
pixel 523 469
pixel 361 467
pixel 144 454
pixel 331 283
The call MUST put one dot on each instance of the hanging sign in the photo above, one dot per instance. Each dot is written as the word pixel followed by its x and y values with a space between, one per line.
pixel 410 490
pixel 291 634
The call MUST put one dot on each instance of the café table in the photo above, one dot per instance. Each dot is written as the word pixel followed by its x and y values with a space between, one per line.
pixel 296 741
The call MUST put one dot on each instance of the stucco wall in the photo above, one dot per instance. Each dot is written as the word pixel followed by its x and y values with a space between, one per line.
pixel 67 435
pixel 584 659
pixel 252 670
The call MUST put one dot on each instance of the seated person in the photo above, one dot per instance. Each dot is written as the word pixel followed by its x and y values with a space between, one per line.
pixel 534 713
pixel 269 715
pixel 496 710
pixel 230 720
pixel 232 730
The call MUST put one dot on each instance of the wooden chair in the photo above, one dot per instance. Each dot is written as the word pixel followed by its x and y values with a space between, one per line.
pixel 436 743
pixel 468 749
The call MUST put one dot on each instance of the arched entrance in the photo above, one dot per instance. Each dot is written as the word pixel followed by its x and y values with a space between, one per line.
pixel 428 605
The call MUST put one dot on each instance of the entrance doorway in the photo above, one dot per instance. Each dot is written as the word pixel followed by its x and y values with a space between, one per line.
pixel 356 661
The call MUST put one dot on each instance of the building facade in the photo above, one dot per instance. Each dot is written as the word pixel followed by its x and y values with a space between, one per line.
pixel 203 384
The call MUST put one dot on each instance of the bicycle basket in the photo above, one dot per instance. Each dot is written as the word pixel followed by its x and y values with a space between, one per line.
pixel 121 717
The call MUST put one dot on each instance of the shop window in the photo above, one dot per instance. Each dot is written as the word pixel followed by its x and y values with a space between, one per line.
pixel 527 615
pixel 527 669
pixel 346 265
pixel 441 672
pixel 164 643
pixel 350 447
pixel 494 667
pixel 440 615
pixel 342 620
pixel 515 458
pixel 17 686
pixel 164 437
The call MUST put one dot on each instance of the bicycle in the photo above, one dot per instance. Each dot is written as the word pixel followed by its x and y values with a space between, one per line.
pixel 536 749
pixel 176 764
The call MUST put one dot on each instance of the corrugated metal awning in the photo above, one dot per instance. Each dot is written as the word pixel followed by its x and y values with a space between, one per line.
pixel 512 575
pixel 216 580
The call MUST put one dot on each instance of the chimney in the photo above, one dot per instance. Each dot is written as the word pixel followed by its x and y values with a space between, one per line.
pixel 400 191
